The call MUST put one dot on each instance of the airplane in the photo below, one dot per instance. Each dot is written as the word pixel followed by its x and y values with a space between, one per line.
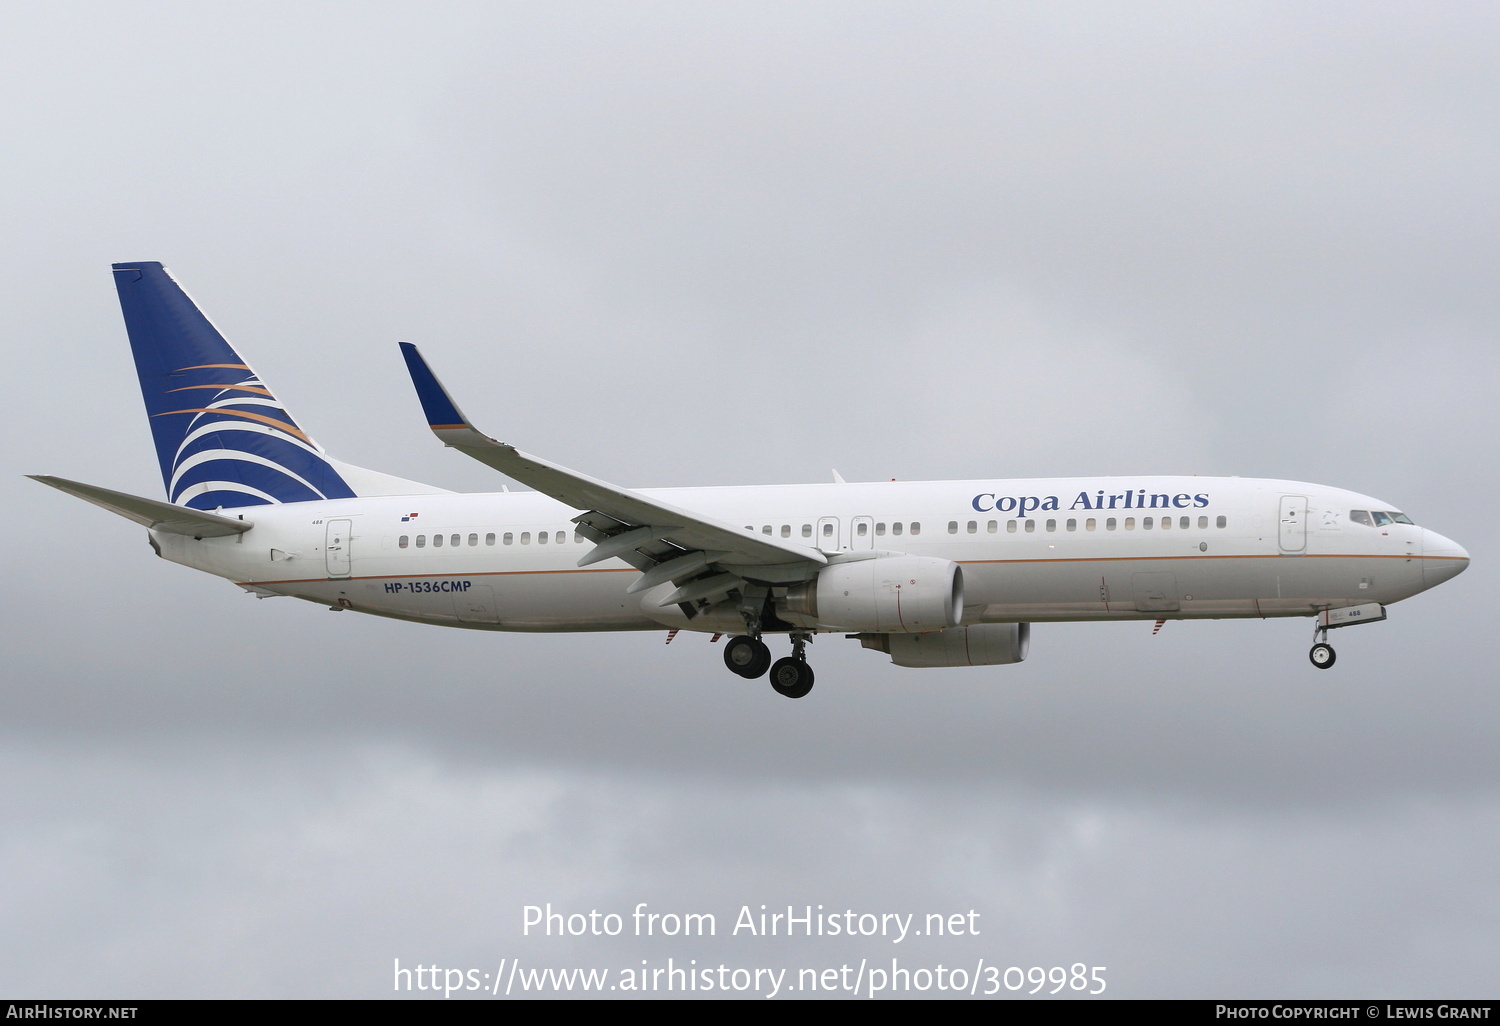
pixel 932 574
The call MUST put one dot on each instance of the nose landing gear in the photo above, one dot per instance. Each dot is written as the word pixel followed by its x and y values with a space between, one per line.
pixel 1321 654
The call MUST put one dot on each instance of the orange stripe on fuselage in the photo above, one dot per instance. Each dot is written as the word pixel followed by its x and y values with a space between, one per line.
pixel 962 562
pixel 477 573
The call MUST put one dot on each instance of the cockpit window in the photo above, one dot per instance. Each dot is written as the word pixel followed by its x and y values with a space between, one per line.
pixel 1381 519
pixel 1401 518
pixel 1360 516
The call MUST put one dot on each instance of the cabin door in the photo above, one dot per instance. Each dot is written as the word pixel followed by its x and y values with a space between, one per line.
pixel 336 548
pixel 1293 525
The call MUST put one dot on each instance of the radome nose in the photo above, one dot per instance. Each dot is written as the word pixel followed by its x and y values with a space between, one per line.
pixel 1442 558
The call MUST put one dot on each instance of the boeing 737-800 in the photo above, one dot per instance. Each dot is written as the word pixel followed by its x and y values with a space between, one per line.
pixel 934 574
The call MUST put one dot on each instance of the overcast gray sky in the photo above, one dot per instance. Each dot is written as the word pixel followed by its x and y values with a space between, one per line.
pixel 670 243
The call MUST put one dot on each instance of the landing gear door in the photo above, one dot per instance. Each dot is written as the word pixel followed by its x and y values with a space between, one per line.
pixel 336 548
pixel 1293 525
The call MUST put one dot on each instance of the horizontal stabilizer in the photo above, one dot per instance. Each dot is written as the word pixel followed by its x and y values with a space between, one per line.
pixel 152 513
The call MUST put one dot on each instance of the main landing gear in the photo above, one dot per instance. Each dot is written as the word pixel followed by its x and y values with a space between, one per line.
pixel 1322 654
pixel 749 657
pixel 790 676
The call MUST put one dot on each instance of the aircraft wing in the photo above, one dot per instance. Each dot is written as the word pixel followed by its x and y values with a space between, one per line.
pixel 151 513
pixel 664 541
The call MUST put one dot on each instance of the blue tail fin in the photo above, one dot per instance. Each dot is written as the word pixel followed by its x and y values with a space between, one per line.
pixel 222 438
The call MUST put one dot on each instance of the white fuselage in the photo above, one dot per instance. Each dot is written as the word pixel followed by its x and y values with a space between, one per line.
pixel 1030 550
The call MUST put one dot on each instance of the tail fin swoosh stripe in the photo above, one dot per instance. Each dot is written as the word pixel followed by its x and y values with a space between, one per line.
pixel 306 470
pixel 257 389
pixel 290 429
pixel 251 437
pixel 254 478
pixel 225 494
pixel 213 366
pixel 190 470
pixel 267 404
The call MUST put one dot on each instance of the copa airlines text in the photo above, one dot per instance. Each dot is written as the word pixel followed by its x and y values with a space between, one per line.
pixel 933 574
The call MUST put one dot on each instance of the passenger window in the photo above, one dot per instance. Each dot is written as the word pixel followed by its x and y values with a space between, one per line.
pixel 766 529
pixel 786 530
pixel 401 542
pixel 896 527
pixel 1090 524
pixel 509 538
pixel 991 527
pixel 1222 522
pixel 1109 524
pixel 437 541
pixel 541 537
pixel 827 530
pixel 1146 523
pixel 1010 527
pixel 1166 523
pixel 1184 522
pixel 973 527
pixel 1202 522
pixel 807 530
pixel 489 539
pixel 1030 526
pixel 473 539
pixel 916 527
pixel 525 537
pixel 953 527
pixel 863 529
pixel 453 540
pixel 421 541
pixel 1072 524
pixel 1130 523
pixel 561 537
pixel 1051 525
pixel 880 528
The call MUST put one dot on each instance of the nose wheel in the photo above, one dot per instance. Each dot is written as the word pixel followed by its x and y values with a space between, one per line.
pixel 1321 655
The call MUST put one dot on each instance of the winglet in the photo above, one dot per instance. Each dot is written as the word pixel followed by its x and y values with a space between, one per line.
pixel 442 412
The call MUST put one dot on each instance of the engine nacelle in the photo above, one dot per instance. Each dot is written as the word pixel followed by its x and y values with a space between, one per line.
pixel 888 594
pixel 985 644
